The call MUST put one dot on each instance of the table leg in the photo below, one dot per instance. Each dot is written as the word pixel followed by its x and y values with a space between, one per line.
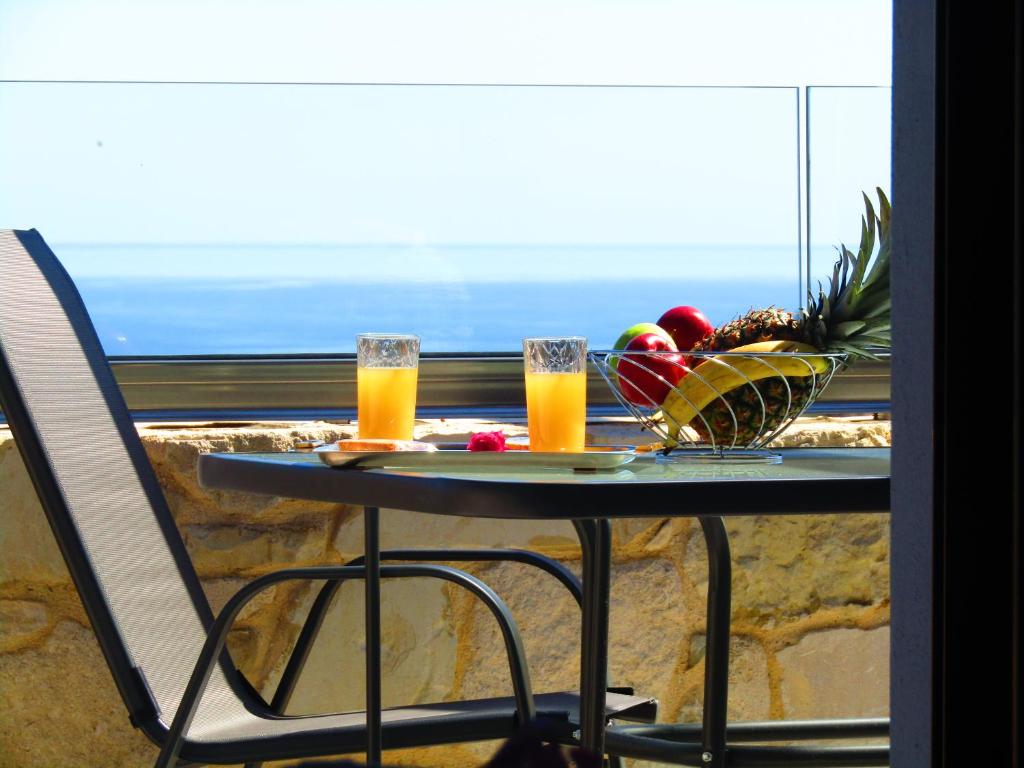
pixel 584 532
pixel 595 539
pixel 716 653
pixel 371 548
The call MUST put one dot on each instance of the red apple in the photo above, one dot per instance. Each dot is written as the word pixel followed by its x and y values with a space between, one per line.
pixel 686 326
pixel 646 379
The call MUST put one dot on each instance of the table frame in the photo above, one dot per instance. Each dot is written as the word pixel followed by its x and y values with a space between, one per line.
pixel 683 744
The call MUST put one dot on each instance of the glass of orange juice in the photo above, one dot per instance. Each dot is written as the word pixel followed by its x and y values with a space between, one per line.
pixel 386 372
pixel 556 392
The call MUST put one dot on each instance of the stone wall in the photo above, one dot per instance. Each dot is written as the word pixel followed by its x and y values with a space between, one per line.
pixel 810 621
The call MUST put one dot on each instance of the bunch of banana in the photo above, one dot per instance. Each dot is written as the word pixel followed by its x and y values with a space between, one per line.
pixel 728 381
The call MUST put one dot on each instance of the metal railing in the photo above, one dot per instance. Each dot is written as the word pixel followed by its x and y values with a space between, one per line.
pixel 324 386
pixel 303 387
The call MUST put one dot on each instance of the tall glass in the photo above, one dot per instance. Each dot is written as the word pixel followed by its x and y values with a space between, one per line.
pixel 387 366
pixel 556 392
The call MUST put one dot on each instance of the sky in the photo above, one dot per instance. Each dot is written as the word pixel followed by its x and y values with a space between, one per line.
pixel 677 42
pixel 302 158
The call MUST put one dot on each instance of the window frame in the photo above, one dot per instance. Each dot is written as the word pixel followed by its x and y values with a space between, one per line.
pixel 324 386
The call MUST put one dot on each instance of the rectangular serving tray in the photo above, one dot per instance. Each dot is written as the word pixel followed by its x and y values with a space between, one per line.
pixel 593 458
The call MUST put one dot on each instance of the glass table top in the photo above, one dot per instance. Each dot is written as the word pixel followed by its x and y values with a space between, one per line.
pixel 835 480
pixel 797 464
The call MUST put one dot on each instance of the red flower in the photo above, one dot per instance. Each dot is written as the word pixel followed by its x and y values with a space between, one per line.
pixel 487 441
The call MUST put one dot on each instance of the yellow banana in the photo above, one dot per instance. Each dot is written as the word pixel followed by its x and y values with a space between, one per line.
pixel 720 374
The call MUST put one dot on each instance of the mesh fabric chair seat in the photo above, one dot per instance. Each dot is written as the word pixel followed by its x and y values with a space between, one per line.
pixel 129 563
pixel 232 734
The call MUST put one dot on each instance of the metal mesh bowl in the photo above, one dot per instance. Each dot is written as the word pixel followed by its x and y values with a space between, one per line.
pixel 723 405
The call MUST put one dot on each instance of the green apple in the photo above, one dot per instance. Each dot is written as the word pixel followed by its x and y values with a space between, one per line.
pixel 632 332
pixel 635 330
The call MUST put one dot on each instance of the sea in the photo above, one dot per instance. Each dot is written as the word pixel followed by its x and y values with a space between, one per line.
pixel 172 317
pixel 470 310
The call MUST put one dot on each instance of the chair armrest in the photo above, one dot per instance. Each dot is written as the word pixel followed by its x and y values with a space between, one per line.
pixel 218 632
pixel 549 565
pixel 317 612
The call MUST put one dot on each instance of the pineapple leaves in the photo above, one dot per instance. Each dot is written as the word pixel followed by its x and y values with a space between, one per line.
pixel 855 313
pixel 867 292
pixel 880 269
pixel 867 245
pixel 847 329
pixel 846 295
pixel 884 214
pixel 834 287
pixel 852 315
pixel 875 327
pixel 823 306
pixel 881 309
pixel 853 350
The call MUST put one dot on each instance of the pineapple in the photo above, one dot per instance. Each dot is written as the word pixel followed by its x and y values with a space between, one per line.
pixel 851 317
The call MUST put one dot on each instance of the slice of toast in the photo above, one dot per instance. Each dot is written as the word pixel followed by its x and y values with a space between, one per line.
pixel 381 444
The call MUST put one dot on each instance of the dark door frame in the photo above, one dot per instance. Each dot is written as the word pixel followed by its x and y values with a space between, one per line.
pixel 956 384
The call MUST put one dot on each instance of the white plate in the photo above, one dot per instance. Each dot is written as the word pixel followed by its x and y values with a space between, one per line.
pixel 604 457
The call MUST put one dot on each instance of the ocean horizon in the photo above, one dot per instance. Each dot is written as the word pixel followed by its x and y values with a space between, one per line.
pixel 181 299
pixel 167 316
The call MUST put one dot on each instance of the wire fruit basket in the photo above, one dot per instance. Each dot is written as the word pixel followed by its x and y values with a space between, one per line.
pixel 717 405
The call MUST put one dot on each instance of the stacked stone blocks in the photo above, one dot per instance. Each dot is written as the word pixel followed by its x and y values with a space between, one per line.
pixel 810 604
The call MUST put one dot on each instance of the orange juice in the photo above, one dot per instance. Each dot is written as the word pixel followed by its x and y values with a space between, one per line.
pixel 387 402
pixel 556 407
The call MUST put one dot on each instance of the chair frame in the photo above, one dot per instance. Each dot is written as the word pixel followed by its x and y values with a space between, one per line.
pixel 337 575
pixel 144 712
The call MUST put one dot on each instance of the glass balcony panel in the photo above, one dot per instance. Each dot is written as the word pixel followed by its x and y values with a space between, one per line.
pixel 849 148
pixel 245 218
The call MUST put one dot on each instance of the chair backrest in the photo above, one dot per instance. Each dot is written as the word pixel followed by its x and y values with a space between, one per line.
pixel 95 482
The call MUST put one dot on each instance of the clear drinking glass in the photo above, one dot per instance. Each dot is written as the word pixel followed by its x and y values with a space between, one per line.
pixel 556 392
pixel 387 368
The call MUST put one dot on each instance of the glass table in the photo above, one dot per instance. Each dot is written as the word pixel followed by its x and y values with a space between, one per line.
pixel 807 481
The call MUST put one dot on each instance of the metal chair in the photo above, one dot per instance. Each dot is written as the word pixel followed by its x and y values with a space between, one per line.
pixel 157 632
